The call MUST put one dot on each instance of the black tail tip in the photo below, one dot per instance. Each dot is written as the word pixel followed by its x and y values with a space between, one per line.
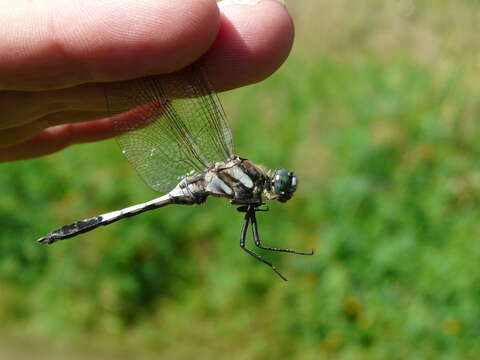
pixel 46 240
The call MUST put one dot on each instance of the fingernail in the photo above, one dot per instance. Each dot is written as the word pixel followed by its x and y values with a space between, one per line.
pixel 248 2
pixel 241 2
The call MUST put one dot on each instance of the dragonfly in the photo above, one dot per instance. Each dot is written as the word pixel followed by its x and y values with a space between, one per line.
pixel 174 131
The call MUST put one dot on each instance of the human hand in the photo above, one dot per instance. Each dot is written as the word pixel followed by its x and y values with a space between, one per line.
pixel 55 55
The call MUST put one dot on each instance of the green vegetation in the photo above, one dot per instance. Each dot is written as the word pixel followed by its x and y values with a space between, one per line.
pixel 384 138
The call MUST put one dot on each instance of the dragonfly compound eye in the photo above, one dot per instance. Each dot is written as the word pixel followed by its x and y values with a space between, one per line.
pixel 284 184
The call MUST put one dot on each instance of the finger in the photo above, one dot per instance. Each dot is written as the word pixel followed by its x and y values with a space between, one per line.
pixel 22 133
pixel 57 138
pixel 23 107
pixel 253 41
pixel 100 40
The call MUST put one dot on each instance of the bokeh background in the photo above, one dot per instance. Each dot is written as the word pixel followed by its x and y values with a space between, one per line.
pixel 376 112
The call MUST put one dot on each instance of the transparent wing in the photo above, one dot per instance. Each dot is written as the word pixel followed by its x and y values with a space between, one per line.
pixel 171 126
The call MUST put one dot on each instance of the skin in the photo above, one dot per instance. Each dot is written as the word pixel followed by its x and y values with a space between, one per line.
pixel 53 63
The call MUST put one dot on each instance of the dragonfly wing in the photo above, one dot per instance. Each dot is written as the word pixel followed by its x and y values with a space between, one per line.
pixel 169 126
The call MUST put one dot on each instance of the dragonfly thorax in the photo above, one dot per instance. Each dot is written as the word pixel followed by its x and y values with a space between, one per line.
pixel 248 182
pixel 239 180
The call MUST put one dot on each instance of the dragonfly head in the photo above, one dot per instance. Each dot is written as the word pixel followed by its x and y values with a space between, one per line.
pixel 284 184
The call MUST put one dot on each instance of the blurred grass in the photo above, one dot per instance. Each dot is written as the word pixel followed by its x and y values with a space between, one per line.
pixel 376 113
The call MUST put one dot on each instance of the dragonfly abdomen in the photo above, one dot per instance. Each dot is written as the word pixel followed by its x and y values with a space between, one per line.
pixel 82 226
pixel 72 230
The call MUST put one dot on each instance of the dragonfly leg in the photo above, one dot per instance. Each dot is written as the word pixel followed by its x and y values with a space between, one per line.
pixel 252 207
pixel 243 208
pixel 258 243
pixel 243 237
pixel 247 203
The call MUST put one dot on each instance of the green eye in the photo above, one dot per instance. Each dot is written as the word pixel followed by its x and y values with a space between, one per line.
pixel 284 184
pixel 281 181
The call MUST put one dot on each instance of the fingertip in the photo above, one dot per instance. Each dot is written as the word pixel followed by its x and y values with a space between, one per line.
pixel 253 41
